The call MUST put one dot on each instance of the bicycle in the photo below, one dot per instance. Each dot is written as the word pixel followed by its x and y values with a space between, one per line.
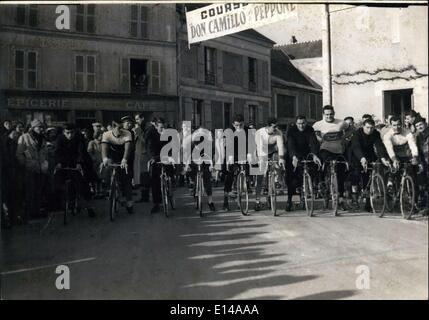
pixel 307 193
pixel 331 179
pixel 242 189
pixel 71 196
pixel 374 190
pixel 114 190
pixel 166 190
pixel 272 176
pixel 406 192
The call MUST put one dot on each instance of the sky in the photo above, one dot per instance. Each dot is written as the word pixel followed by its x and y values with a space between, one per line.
pixel 306 27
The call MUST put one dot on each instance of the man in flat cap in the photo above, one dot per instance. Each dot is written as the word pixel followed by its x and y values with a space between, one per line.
pixel 31 153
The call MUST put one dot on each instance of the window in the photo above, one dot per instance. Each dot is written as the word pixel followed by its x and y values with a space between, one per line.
pixel 85 73
pixel 85 18
pixel 232 69
pixel 252 74
pixel 139 21
pixel 26 15
pixel 397 102
pixel 139 76
pixel 286 106
pixel 197 106
pixel 25 69
pixel 253 114
pixel 210 65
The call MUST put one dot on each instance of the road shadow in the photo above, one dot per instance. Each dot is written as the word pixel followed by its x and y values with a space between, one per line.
pixel 328 295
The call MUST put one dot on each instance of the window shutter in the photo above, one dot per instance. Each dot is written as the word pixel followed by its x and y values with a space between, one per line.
pixel 125 77
pixel 79 71
pixel 144 15
pixel 265 76
pixel 20 14
pixel 19 68
pixel 32 70
pixel 155 76
pixel 79 18
pixel 133 21
pixel 90 73
pixel 32 17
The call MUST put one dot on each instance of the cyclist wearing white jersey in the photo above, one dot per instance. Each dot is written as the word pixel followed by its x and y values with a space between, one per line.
pixel 269 146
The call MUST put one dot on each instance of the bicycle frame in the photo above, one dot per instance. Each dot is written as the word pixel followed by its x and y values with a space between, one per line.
pixel 333 182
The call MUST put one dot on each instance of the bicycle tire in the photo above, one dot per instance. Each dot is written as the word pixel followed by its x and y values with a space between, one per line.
pixel 307 189
pixel 377 195
pixel 408 192
pixel 67 202
pixel 272 193
pixel 334 194
pixel 200 194
pixel 164 195
pixel 113 198
pixel 170 195
pixel 243 193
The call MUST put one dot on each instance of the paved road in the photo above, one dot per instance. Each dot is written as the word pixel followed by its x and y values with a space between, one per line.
pixel 221 256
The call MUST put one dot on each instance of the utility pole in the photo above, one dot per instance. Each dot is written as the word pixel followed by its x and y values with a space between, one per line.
pixel 327 58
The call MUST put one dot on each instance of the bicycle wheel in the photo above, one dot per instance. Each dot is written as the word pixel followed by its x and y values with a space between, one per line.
pixel 307 189
pixel 67 204
pixel 377 195
pixel 243 193
pixel 200 194
pixel 272 193
pixel 170 195
pixel 407 197
pixel 164 194
pixel 113 197
pixel 334 194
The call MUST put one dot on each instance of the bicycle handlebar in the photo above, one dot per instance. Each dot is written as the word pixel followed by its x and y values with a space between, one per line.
pixel 68 169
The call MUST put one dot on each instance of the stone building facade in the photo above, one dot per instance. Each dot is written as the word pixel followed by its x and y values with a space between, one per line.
pixel 114 60
pixel 223 77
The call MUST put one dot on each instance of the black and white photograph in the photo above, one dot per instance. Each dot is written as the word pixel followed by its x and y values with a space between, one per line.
pixel 214 151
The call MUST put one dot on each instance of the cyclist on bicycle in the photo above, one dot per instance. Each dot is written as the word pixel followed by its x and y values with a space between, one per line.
pixel 269 146
pixel 198 136
pixel 330 134
pixel 154 146
pixel 366 147
pixel 116 147
pixel 232 167
pixel 423 145
pixel 70 152
pixel 301 141
pixel 401 146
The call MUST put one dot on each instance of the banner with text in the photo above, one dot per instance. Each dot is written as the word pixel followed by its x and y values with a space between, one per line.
pixel 218 20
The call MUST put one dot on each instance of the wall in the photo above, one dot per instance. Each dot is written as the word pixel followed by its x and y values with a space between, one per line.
pixel 366 42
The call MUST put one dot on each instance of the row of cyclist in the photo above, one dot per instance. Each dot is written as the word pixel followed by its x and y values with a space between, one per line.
pixel 329 160
pixel 345 167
